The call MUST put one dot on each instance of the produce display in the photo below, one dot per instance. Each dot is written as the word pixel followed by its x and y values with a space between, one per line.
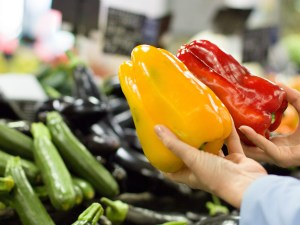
pixel 91 157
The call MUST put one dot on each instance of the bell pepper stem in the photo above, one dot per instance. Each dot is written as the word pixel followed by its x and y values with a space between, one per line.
pixel 116 211
pixel 273 118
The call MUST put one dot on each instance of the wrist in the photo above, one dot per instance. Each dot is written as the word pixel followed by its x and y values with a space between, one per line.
pixel 233 192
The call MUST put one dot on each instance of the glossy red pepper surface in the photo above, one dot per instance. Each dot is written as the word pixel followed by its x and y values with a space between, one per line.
pixel 251 100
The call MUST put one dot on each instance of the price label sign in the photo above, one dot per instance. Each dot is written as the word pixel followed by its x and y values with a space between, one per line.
pixel 125 30
pixel 257 42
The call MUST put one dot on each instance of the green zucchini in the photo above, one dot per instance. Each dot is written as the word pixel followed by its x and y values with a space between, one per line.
pixel 31 170
pixel 78 158
pixel 87 189
pixel 54 172
pixel 15 142
pixel 79 195
pixel 28 206
pixel 42 193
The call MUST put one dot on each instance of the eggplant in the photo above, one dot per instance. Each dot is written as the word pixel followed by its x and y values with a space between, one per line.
pixel 82 114
pixel 142 176
pixel 111 86
pixel 85 85
pixel 102 140
pixel 132 139
pixel 79 113
pixel 121 212
pixel 117 105
pixel 124 119
pixel 220 220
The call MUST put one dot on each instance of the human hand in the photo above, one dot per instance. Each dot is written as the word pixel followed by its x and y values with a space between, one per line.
pixel 225 176
pixel 283 150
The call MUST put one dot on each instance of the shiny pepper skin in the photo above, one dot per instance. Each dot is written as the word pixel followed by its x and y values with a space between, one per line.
pixel 251 100
pixel 161 90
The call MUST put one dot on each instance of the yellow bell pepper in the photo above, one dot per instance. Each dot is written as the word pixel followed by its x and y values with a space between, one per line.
pixel 161 90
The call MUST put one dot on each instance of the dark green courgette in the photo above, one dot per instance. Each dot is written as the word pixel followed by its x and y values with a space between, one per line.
pixel 55 174
pixel 78 158
pixel 78 195
pixel 31 170
pixel 86 188
pixel 28 206
pixel 41 192
pixel 90 215
pixel 15 142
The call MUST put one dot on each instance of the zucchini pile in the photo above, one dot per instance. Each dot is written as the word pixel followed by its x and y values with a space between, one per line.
pixel 50 166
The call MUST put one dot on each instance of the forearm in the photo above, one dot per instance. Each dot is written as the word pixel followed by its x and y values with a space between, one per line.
pixel 271 200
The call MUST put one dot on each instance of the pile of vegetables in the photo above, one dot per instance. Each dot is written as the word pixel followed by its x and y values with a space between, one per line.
pixel 91 156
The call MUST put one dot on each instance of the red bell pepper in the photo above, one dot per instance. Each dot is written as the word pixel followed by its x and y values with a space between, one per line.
pixel 251 100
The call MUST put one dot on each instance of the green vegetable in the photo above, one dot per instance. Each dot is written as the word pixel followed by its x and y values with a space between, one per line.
pixel 87 189
pixel 28 206
pixel 90 216
pixel 15 142
pixel 78 195
pixel 55 174
pixel 31 170
pixel 51 92
pixel 78 158
pixel 41 192
pixel 215 207
pixel 6 184
pixel 116 211
pixel 175 223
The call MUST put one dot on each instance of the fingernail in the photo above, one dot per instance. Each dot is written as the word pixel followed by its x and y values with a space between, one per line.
pixel 158 130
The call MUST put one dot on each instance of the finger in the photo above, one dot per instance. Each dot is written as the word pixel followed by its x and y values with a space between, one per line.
pixel 293 96
pixel 257 154
pixel 234 143
pixel 179 148
pixel 192 157
pixel 261 142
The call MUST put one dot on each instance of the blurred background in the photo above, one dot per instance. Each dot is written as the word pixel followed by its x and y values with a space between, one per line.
pixel 263 33
pixel 64 55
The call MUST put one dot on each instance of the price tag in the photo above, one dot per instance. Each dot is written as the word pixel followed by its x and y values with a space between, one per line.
pixel 125 30
pixel 257 42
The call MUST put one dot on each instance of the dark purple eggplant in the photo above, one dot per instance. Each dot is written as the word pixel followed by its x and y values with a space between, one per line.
pixel 220 220
pixel 142 176
pixel 117 105
pixel 84 79
pixel 124 119
pixel 121 212
pixel 111 86
pixel 102 140
pixel 132 139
